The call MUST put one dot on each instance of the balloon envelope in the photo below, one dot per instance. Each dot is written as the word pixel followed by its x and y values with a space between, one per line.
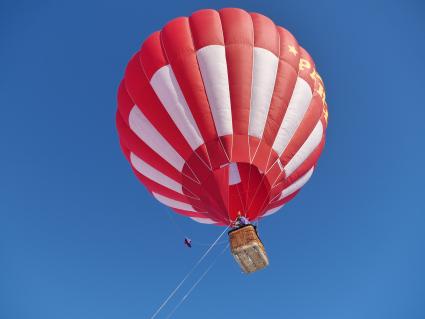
pixel 222 112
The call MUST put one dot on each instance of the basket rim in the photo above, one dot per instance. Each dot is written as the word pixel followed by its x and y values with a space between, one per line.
pixel 238 228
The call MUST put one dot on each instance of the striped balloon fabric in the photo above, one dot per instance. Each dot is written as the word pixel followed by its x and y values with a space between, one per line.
pixel 222 112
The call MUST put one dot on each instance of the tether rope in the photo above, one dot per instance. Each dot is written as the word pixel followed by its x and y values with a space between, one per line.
pixel 197 282
pixel 188 274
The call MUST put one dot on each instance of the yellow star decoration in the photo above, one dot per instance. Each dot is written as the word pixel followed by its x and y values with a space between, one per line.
pixel 314 75
pixel 325 113
pixel 292 49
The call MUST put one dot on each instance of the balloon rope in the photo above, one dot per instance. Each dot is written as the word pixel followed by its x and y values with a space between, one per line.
pixel 198 281
pixel 188 274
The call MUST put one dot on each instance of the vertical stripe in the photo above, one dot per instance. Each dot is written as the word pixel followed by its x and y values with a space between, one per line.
pixel 286 78
pixel 203 220
pixel 153 174
pixel 311 117
pixel 239 41
pixel 297 107
pixel 263 81
pixel 213 66
pixel 138 90
pixel 296 185
pixel 140 125
pixel 178 45
pixel 234 177
pixel 272 211
pixel 168 91
pixel 305 150
pixel 132 142
pixel 173 203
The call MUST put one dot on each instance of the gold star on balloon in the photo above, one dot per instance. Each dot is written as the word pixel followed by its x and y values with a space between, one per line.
pixel 325 113
pixel 292 49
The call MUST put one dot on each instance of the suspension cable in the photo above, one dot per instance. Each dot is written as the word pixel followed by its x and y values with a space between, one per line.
pixel 188 274
pixel 197 282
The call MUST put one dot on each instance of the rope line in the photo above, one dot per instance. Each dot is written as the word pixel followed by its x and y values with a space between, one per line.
pixel 188 274
pixel 197 282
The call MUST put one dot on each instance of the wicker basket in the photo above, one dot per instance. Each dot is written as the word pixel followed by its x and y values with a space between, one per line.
pixel 247 249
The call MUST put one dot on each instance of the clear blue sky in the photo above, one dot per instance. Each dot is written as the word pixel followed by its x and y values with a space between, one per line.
pixel 81 238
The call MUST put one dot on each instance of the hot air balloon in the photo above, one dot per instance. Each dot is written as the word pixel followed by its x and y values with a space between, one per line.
pixel 223 113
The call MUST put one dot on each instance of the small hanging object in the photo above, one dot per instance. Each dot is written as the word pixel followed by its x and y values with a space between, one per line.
pixel 188 242
pixel 247 248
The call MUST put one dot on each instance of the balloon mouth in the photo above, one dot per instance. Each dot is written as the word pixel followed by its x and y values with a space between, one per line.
pixel 234 188
pixel 230 175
